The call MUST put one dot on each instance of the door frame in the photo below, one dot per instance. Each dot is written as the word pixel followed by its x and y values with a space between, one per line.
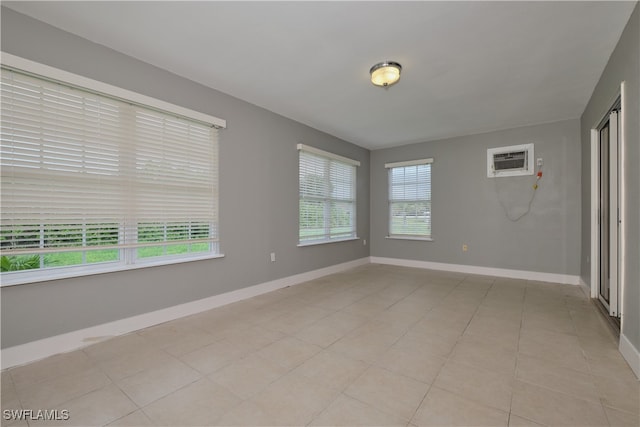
pixel 616 219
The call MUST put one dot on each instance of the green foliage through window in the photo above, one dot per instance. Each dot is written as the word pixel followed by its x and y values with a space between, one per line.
pixel 19 262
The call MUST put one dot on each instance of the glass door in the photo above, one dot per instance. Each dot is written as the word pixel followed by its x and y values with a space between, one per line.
pixel 608 283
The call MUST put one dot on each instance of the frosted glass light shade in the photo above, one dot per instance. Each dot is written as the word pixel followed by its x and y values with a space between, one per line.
pixel 385 73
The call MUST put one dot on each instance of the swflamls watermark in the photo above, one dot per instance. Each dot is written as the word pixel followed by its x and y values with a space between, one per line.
pixel 36 414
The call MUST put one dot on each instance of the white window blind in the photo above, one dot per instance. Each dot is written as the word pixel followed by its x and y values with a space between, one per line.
pixel 91 179
pixel 327 196
pixel 410 198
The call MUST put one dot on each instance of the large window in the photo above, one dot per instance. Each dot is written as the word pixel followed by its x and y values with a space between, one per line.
pixel 91 182
pixel 327 196
pixel 410 199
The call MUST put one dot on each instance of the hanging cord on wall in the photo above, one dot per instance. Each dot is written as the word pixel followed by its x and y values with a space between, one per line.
pixel 533 195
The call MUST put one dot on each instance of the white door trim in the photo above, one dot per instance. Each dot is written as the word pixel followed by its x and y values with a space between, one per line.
pixel 613 213
pixel 622 191
pixel 595 215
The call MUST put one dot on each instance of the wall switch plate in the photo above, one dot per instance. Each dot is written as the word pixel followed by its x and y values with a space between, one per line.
pixel 539 161
pixel 273 257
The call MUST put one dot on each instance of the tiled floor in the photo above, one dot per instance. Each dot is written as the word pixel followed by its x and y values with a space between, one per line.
pixel 376 345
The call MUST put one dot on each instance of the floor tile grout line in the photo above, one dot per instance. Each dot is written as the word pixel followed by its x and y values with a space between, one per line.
pixel 573 396
pixel 424 398
pixel 123 416
pixel 382 408
pixel 515 371
pixel 321 411
pixel 233 407
pixel 61 404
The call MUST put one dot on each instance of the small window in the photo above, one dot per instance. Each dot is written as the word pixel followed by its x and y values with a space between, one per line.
pixel 327 205
pixel 410 199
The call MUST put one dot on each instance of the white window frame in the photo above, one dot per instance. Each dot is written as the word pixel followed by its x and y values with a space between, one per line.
pixel 327 200
pixel 395 165
pixel 128 251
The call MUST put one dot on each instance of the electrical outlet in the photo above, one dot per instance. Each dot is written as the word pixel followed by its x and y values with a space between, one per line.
pixel 273 257
pixel 465 247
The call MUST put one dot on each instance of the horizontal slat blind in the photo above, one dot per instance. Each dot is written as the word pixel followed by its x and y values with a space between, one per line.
pixel 327 197
pixel 85 171
pixel 410 199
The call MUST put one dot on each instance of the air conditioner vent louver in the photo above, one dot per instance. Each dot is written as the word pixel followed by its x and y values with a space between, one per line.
pixel 510 161
pixel 513 160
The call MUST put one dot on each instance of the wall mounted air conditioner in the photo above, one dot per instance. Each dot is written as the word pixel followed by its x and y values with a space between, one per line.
pixel 510 161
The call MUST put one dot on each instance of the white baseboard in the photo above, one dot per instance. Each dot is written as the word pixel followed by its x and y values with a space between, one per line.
pixel 630 354
pixel 485 271
pixel 36 350
pixel 586 288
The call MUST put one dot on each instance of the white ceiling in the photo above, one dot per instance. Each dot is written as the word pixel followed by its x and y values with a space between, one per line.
pixel 468 67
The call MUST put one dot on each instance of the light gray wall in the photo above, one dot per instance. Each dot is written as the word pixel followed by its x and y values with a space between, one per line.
pixel 466 204
pixel 258 199
pixel 624 66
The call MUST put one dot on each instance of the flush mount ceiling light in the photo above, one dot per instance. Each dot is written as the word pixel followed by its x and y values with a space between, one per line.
pixel 385 73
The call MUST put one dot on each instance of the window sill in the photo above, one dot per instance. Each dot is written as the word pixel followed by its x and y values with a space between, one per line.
pixel 18 278
pixel 424 239
pixel 324 242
